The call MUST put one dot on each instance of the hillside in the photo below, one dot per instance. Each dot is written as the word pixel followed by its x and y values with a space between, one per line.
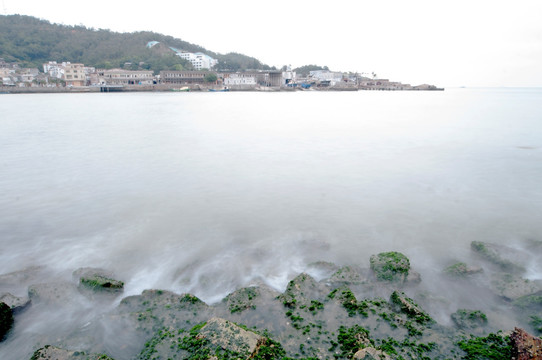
pixel 33 42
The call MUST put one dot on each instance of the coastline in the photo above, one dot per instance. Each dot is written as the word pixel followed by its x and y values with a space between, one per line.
pixel 5 90
pixel 329 311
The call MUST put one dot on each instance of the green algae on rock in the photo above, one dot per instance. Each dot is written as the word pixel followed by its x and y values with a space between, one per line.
pixel 51 352
pixel 390 266
pixel 493 254
pixel 461 270
pixel 469 319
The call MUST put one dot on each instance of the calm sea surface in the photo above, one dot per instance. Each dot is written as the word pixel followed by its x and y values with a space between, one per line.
pixel 207 192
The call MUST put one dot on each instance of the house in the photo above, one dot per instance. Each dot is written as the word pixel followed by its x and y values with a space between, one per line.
pixel 183 77
pixel 122 77
pixel 245 78
pixel 74 74
pixel 198 60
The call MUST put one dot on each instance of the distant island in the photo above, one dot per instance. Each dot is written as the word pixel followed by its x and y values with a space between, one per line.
pixel 37 56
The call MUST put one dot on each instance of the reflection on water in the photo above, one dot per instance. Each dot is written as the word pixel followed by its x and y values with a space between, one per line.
pixel 205 193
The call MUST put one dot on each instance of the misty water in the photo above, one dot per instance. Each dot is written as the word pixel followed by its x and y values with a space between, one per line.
pixel 205 193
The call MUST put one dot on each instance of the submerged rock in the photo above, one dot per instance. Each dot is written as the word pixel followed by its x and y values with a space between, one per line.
pixel 16 304
pixel 462 270
pixel 511 286
pixel 501 256
pixel 348 275
pixel 49 352
pixel 6 320
pixel 390 266
pixel 58 293
pixel 469 319
pixel 525 346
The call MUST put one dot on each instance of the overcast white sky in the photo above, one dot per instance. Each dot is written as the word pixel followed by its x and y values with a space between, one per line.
pixel 441 42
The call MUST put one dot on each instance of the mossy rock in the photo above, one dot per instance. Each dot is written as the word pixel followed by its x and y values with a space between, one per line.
pixel 51 352
pixel 406 305
pixel 6 319
pixel 462 270
pixel 348 275
pixel 494 254
pixel 242 299
pixel 512 287
pixel 469 319
pixel 530 302
pixel 390 266
pixel 494 346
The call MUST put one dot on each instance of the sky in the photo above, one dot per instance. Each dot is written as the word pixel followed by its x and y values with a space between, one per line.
pixel 439 42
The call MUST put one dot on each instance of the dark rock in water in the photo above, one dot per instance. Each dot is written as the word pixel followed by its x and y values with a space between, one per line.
pixel 462 270
pixel 511 286
pixel 525 346
pixel 16 304
pixel 6 320
pixel 469 319
pixel 49 352
pixel 98 280
pixel 505 258
pixel 390 266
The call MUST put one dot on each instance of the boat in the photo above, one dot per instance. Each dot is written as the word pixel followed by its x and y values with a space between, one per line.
pixel 186 88
pixel 219 90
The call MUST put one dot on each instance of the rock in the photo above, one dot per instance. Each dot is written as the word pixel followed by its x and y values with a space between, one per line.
pixel 406 305
pixel 242 299
pixel 20 277
pixel 462 270
pixel 98 280
pixel 511 286
pixel 531 302
pixel 6 320
pixel 390 266
pixel 301 291
pixel 370 353
pixel 348 275
pixel 229 336
pixel 525 346
pixel 49 352
pixel 53 293
pixel 469 319
pixel 413 277
pixel 501 256
pixel 16 304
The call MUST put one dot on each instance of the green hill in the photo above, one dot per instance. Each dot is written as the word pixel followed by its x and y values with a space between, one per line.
pixel 33 42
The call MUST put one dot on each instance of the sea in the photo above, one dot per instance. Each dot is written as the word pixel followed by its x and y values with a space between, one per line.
pixel 205 193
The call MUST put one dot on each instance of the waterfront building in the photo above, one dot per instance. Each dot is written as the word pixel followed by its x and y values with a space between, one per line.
pixel 183 77
pixel 122 77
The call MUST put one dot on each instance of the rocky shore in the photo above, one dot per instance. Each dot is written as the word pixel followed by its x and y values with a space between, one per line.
pixel 328 312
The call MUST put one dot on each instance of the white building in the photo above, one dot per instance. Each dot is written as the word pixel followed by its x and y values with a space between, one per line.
pixel 198 60
pixel 54 70
pixel 233 79
pixel 326 75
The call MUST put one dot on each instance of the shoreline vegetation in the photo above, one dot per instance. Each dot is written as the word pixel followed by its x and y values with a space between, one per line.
pixel 321 316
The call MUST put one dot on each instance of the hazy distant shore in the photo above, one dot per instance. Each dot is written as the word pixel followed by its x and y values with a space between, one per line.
pixel 169 88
